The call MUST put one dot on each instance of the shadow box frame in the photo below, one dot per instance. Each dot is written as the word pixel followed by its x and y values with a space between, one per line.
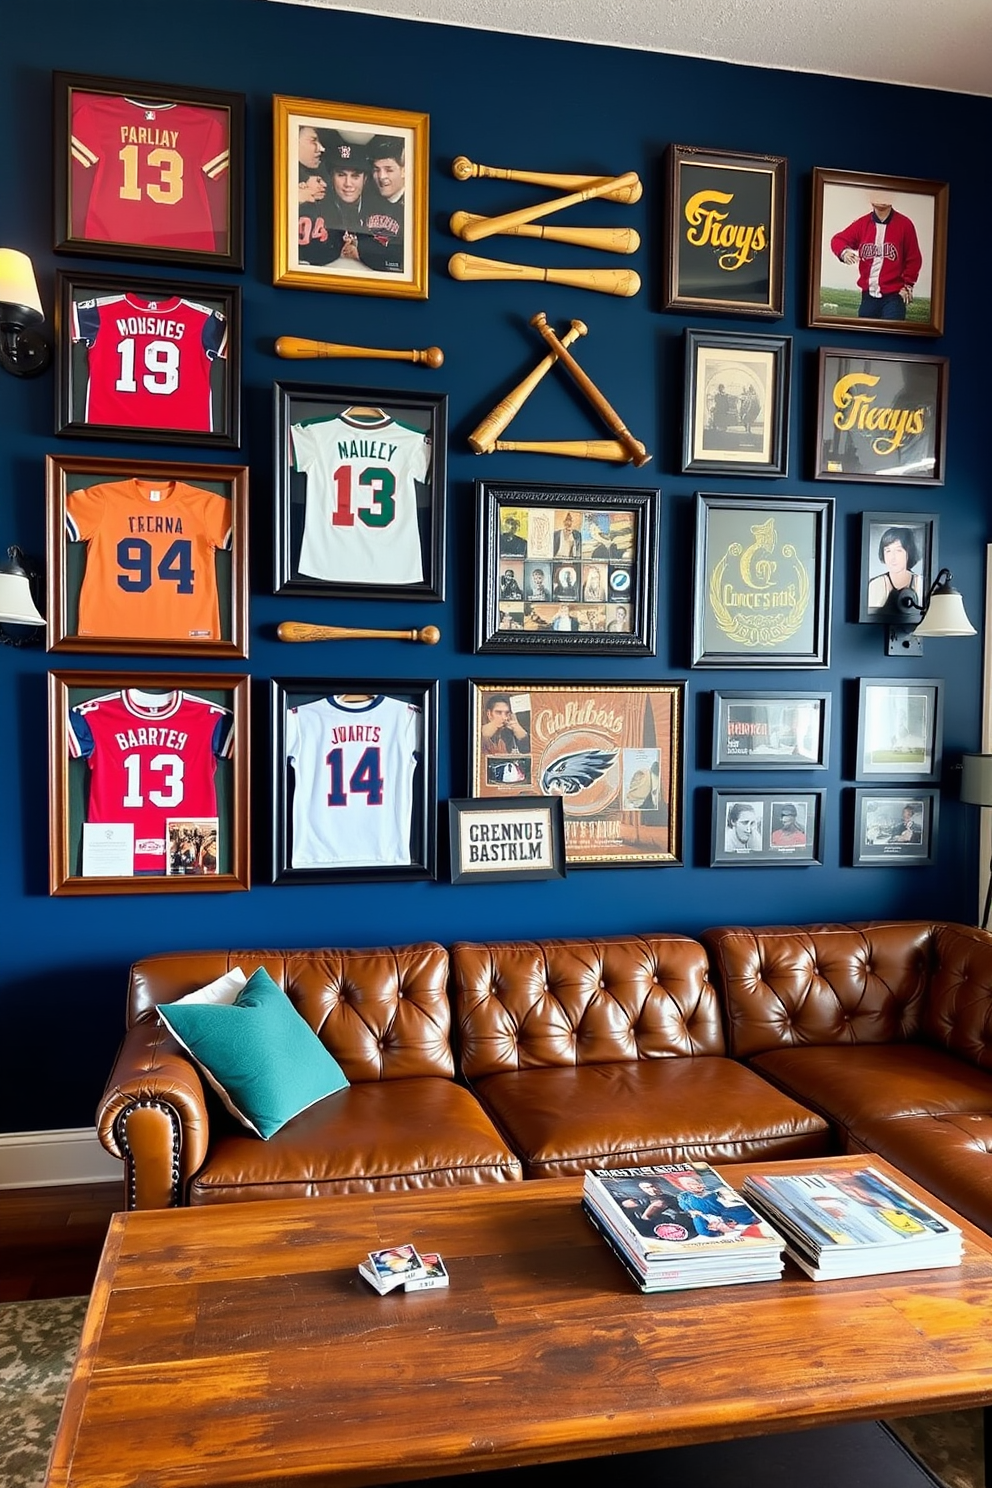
pixel 540 824
pixel 874 526
pixel 819 704
pixel 808 854
pixel 78 152
pixel 68 777
pixel 291 692
pixel 356 124
pixel 542 510
pixel 928 693
pixel 700 190
pixel 752 523
pixel 894 854
pixel 855 185
pixel 219 375
pixel 426 411
pixel 580 730
pixel 67 557
pixel 848 464
pixel 705 353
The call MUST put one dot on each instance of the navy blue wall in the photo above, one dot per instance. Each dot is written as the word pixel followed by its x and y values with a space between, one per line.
pixel 502 100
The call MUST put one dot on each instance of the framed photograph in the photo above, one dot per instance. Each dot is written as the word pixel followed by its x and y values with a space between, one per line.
pixel 881 418
pixel 146 557
pixel 878 253
pixel 900 729
pixel 762 582
pixel 506 841
pixel 898 564
pixel 895 828
pixel 355 217
pixel 771 730
pixel 766 829
pixel 736 419
pixel 149 171
pixel 612 751
pixel 148 782
pixel 354 779
pixel 567 569
pixel 726 232
pixel 148 359
pixel 359 492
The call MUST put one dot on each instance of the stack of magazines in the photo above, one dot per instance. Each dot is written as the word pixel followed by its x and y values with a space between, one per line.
pixel 679 1225
pixel 842 1222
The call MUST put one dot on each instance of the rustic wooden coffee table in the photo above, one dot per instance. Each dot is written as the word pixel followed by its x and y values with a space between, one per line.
pixel 238 1345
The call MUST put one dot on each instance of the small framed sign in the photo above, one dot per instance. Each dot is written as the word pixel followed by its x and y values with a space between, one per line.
pixel 506 840
pixel 881 417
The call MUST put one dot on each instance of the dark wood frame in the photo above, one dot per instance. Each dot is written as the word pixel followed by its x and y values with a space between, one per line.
pixel 737 344
pixel 547 813
pixel 894 612
pixel 806 855
pixel 495 500
pixel 895 854
pixel 66 86
pixel 841 453
pixel 724 759
pixel 933 690
pixel 65 793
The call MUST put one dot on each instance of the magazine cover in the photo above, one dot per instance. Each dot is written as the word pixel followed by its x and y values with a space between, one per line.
pixel 676 1209
pixel 834 1208
pixel 671 1275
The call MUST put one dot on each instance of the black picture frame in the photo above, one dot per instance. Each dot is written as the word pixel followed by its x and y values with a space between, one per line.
pixel 881 815
pixel 569 539
pixel 900 729
pixel 186 389
pixel 786 828
pixel 768 730
pixel 911 541
pixel 762 580
pixel 149 171
pixel 411 566
pixel 409 778
pixel 736 416
pixel 881 417
pixel 513 840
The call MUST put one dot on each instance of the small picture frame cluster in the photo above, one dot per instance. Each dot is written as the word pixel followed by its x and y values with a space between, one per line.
pixel 766 828
pixel 899 739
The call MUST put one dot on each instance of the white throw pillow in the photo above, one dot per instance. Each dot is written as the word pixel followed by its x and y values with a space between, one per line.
pixel 224 989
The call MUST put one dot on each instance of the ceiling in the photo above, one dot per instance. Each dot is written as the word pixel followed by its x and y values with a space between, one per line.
pixel 945 44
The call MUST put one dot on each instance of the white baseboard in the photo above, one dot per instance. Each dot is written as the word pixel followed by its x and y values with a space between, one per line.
pixel 43 1158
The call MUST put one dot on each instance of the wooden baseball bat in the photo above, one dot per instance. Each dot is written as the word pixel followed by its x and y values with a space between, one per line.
pixel 464 169
pixel 623 282
pixel 607 239
pixel 485 435
pixel 295 630
pixel 487 226
pixel 299 348
pixel 579 449
pixel 606 412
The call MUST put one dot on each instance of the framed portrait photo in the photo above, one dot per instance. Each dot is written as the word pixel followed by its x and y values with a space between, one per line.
pixel 613 752
pixel 762 582
pixel 894 828
pixel 736 418
pixel 878 252
pixel 900 729
pixel 725 243
pixel 771 730
pixel 359 492
pixel 898 563
pixel 881 417
pixel 766 829
pixel 350 198
pixel 148 359
pixel 148 782
pixel 567 569
pixel 149 171
pixel 354 787
pixel 506 841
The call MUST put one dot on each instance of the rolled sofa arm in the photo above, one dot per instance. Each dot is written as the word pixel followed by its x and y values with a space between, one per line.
pixel 153 1115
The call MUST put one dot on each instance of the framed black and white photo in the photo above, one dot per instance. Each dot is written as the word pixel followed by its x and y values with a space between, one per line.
pixel 895 828
pixel 898 563
pixel 506 841
pixel 736 419
pixel 881 417
pixel 900 729
pixel 764 730
pixel 766 828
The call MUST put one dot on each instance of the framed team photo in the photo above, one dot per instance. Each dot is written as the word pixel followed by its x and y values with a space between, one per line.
pixel 895 828
pixel 148 359
pixel 149 171
pixel 359 492
pixel 506 841
pixel 766 828
pixel 737 403
pixel 900 729
pixel 567 569
pixel 148 782
pixel 354 787
pixel 147 557
pixel 350 197
pixel 767 730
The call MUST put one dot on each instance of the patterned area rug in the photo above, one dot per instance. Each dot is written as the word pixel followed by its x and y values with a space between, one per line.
pixel 38 1344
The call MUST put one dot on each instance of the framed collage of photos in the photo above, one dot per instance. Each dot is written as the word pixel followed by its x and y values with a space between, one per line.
pixel 509 840
pixel 737 403
pixel 895 828
pixel 900 729
pixel 898 564
pixel 766 828
pixel 567 569
pixel 881 418
pixel 764 730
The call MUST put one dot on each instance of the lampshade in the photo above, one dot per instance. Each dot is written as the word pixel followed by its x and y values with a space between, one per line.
pixel 20 302
pixel 945 614
pixel 976 779
pixel 17 606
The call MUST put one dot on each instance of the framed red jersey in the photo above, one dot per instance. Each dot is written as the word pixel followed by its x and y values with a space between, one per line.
pixel 148 170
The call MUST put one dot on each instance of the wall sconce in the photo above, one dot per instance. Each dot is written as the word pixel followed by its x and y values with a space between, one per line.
pixel 976 789
pixel 17 606
pixel 942 613
pixel 23 350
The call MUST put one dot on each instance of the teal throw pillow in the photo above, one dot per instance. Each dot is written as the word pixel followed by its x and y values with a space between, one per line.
pixel 264 1060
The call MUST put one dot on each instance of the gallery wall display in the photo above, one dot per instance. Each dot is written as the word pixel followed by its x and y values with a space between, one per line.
pixel 900 729
pixel 766 730
pixel 736 419
pixel 766 828
pixel 894 828
pixel 148 782
pixel 881 418
pixel 350 198
pixel 898 564
pixel 149 171
pixel 506 841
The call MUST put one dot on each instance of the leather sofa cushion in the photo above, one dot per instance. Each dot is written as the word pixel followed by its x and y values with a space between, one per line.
pixel 957 1014
pixel 950 1156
